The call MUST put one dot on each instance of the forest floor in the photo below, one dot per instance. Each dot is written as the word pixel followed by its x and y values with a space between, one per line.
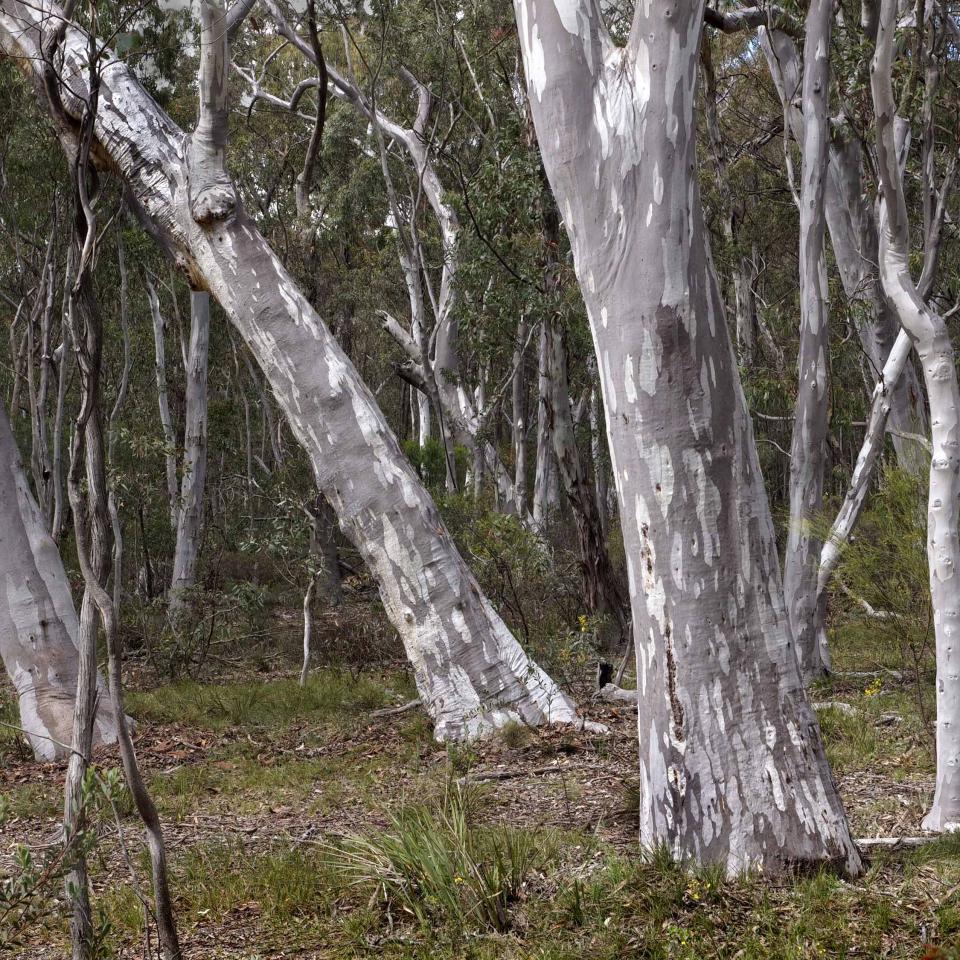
pixel 282 805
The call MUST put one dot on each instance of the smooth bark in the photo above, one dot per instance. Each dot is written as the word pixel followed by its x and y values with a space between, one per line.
pixel 931 339
pixel 732 768
pixel 38 621
pixel 546 492
pixel 865 467
pixel 851 221
pixel 166 421
pixel 190 517
pixel 812 407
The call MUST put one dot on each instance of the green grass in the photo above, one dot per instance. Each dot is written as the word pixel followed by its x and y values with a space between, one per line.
pixel 282 890
pixel 441 865
pixel 236 783
pixel 328 696
pixel 390 888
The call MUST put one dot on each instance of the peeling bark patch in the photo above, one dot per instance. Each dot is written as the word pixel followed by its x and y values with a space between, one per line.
pixel 676 707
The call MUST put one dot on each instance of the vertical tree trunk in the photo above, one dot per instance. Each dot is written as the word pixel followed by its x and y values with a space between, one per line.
pixel 166 421
pixel 853 233
pixel 744 304
pixel 812 409
pixel 324 573
pixel 518 396
pixel 323 549
pixel 596 453
pixel 65 351
pixel 87 487
pixel 545 484
pixel 853 236
pixel 40 464
pixel 472 674
pixel 307 629
pixel 732 769
pixel 190 525
pixel 602 594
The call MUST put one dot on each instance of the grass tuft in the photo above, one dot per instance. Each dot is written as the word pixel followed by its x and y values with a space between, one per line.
pixel 441 866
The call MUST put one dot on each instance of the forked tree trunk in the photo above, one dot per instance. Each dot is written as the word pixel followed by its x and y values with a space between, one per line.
pixel 38 621
pixel 935 349
pixel 853 234
pixel 864 469
pixel 732 769
pixel 472 674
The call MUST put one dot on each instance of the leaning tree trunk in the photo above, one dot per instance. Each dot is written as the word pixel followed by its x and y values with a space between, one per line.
pixel 935 349
pixel 732 768
pixel 38 621
pixel 190 517
pixel 472 674
pixel 812 408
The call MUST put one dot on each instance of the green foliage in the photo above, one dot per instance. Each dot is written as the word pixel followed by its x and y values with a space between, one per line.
pixel 440 865
pixel 886 565
pixel 510 562
pixel 429 460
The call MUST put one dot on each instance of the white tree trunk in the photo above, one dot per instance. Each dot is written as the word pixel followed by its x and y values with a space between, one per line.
pixel 472 674
pixel 853 233
pixel 732 769
pixel 38 621
pixel 166 421
pixel 935 349
pixel 812 408
pixel 518 410
pixel 190 518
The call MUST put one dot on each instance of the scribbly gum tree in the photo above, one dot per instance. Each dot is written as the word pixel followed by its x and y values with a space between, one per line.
pixel 732 767
pixel 472 674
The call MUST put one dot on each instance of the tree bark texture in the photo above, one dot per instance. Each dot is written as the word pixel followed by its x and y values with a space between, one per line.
pixel 190 518
pixel 732 768
pixel 811 413
pixel 38 621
